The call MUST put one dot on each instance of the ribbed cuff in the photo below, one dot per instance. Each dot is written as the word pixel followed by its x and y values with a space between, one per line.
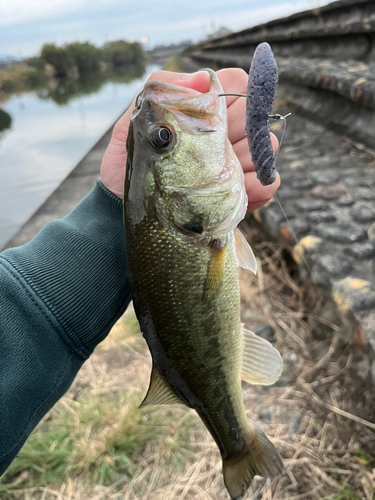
pixel 77 267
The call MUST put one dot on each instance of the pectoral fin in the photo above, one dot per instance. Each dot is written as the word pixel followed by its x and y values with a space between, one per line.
pixel 215 270
pixel 262 364
pixel 159 392
pixel 245 255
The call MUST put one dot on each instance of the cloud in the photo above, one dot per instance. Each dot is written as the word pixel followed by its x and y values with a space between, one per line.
pixel 20 11
pixel 234 20
pixel 23 11
pixel 26 25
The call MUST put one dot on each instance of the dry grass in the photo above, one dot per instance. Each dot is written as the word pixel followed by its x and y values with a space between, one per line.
pixel 20 78
pixel 113 451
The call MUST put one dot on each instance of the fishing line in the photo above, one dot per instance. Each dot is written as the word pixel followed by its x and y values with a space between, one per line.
pixel 294 236
pixel 276 117
pixel 280 117
pixel 232 95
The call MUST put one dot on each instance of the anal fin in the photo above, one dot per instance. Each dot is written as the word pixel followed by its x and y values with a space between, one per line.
pixel 262 364
pixel 159 391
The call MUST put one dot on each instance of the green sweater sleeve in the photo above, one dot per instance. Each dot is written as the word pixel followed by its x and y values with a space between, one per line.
pixel 60 294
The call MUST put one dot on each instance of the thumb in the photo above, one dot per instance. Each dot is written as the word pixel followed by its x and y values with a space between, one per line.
pixel 112 172
pixel 198 81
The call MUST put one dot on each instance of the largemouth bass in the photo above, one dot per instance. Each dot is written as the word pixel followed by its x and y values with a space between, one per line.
pixel 184 196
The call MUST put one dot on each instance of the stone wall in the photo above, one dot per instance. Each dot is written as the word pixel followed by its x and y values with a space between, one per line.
pixel 326 60
pixel 326 55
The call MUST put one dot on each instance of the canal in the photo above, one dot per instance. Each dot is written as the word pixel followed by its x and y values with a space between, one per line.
pixel 44 134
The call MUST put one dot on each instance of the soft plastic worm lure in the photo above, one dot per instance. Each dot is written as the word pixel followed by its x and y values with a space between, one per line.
pixel 260 98
pixel 261 93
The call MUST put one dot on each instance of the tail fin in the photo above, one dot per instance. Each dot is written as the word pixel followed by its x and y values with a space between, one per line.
pixel 260 459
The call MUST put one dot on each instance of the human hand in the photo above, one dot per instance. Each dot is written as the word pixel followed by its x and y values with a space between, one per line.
pixel 233 80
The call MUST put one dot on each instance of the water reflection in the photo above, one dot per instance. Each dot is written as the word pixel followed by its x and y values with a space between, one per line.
pixel 126 74
pixel 50 131
pixel 62 90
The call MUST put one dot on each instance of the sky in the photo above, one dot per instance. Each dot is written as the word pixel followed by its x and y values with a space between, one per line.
pixel 25 25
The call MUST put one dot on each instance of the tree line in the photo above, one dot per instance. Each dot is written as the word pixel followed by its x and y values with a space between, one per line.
pixel 78 58
pixel 73 68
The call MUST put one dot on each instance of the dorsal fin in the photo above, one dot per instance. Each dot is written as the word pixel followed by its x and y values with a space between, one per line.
pixel 262 364
pixel 159 391
pixel 245 255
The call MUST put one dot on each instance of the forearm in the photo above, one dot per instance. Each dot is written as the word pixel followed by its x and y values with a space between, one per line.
pixel 60 295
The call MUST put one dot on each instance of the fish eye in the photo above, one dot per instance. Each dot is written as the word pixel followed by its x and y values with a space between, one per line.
pixel 162 137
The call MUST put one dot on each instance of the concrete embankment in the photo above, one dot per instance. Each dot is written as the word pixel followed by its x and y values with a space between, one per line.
pixel 326 59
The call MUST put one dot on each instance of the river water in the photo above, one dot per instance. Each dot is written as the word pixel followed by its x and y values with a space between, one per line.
pixel 43 139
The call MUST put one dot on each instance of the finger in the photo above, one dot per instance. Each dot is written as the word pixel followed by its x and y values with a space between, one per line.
pixel 199 81
pixel 234 80
pixel 112 171
pixel 257 194
pixel 241 148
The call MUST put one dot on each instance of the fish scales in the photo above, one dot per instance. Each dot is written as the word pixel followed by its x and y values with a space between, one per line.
pixel 184 196
pixel 199 337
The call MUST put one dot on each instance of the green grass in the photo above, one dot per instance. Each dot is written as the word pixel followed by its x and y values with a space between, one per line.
pixel 44 458
pixel 101 435
pixel 365 459
pixel 345 494
pixel 100 439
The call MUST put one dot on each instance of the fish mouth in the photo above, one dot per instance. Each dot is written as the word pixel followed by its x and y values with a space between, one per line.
pixel 185 100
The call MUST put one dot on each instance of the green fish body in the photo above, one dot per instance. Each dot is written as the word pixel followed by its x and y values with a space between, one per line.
pixel 184 196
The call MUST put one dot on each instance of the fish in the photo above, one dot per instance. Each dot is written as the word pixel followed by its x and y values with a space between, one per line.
pixel 260 98
pixel 184 196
